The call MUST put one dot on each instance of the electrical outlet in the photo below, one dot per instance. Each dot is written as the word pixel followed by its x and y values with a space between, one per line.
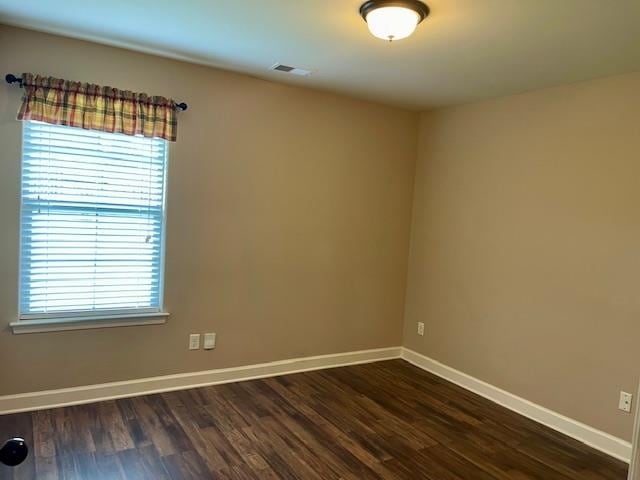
pixel 194 341
pixel 209 341
pixel 625 401
pixel 421 329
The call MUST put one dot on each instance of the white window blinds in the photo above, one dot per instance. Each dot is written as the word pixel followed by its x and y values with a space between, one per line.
pixel 92 221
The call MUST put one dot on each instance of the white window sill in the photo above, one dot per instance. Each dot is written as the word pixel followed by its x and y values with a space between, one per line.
pixel 59 324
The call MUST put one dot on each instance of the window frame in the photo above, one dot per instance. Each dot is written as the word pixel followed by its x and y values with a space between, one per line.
pixel 89 319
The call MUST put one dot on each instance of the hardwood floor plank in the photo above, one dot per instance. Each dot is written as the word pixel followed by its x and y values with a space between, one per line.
pixel 108 467
pixel 132 422
pixel 111 428
pixel 43 435
pixel 46 468
pixel 142 463
pixel 386 420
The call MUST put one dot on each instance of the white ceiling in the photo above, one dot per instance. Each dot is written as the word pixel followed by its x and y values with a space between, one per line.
pixel 465 51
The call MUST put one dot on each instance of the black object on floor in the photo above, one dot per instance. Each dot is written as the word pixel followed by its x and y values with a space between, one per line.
pixel 14 452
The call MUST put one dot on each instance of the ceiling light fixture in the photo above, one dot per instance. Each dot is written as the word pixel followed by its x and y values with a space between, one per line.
pixel 393 19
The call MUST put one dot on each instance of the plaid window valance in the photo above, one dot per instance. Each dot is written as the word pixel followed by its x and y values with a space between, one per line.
pixel 84 105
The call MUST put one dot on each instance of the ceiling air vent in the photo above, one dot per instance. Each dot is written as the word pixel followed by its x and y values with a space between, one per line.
pixel 292 70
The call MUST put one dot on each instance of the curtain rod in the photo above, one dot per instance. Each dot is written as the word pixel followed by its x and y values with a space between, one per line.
pixel 11 78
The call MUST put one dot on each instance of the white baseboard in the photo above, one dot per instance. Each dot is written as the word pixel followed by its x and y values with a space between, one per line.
pixel 602 441
pixel 23 402
pixel 613 446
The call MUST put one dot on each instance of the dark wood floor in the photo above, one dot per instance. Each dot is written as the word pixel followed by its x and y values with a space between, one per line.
pixel 382 420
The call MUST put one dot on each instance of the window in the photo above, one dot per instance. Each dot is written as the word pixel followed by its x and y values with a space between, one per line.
pixel 92 223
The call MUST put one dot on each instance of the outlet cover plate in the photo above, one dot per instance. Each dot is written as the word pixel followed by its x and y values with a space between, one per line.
pixel 625 402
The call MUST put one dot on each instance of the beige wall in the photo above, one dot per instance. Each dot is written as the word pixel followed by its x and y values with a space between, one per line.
pixel 525 251
pixel 288 222
pixel 288 229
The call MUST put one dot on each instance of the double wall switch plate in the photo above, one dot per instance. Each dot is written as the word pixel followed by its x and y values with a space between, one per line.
pixel 421 329
pixel 194 341
pixel 209 341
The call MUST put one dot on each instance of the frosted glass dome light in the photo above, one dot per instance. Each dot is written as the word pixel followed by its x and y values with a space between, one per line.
pixel 393 19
